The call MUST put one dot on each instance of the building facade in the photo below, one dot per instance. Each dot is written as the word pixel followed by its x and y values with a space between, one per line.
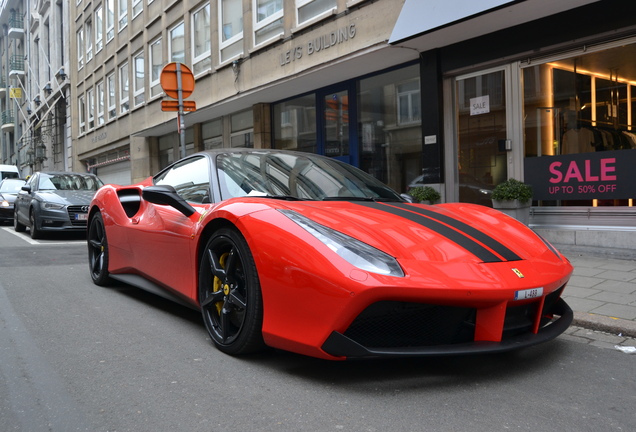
pixel 34 86
pixel 459 95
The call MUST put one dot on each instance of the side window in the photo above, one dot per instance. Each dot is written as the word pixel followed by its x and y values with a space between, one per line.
pixel 190 178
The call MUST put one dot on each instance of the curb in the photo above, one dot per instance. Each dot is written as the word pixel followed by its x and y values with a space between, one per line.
pixel 605 324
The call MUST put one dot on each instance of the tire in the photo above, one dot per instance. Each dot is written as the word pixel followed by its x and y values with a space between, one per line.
pixel 98 251
pixel 35 232
pixel 17 226
pixel 230 294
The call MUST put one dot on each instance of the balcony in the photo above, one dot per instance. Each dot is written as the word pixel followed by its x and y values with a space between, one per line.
pixel 16 66
pixel 16 26
pixel 7 121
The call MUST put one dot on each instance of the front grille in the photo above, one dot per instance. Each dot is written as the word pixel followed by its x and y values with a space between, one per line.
pixel 391 324
pixel 77 215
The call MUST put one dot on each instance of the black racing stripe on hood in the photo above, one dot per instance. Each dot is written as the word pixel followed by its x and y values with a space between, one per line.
pixel 480 236
pixel 451 234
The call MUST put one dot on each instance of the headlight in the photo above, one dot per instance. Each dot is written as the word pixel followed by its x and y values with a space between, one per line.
pixel 354 251
pixel 4 203
pixel 53 206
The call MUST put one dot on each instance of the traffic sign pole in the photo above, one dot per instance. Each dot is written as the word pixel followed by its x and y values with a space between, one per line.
pixel 180 116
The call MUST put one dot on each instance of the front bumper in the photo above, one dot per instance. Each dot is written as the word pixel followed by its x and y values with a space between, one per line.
pixel 514 337
pixel 70 218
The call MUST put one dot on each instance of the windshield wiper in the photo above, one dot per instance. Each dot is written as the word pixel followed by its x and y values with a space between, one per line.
pixel 284 197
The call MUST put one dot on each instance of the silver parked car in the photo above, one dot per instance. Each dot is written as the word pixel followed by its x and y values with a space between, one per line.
pixel 54 201
pixel 9 189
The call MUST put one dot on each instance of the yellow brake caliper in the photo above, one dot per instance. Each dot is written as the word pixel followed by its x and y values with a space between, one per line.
pixel 217 284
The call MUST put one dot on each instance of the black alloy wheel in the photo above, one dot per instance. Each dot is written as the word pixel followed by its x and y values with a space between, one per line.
pixel 230 294
pixel 17 226
pixel 98 251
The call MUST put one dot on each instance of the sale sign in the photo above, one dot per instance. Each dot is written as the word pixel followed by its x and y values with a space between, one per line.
pixel 584 176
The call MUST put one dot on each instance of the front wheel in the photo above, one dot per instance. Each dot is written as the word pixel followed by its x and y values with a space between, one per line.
pixel 98 251
pixel 230 294
pixel 35 232
pixel 17 226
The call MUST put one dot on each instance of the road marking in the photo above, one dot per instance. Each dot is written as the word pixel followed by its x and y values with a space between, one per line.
pixel 29 240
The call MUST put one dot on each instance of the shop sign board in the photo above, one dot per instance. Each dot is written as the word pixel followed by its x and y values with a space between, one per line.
pixel 583 176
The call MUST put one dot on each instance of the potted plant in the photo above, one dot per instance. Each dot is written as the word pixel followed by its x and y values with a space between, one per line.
pixel 514 198
pixel 425 194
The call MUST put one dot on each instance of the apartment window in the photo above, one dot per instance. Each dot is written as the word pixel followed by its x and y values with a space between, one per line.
pixel 138 82
pixel 268 20
pixel 110 20
pixel 137 7
pixel 100 103
pixel 408 100
pixel 99 29
pixel 201 42
pixel 90 102
pixel 89 40
pixel 80 48
pixel 110 89
pixel 231 25
pixel 124 89
pixel 176 42
pixel 123 14
pixel 309 9
pixel 81 106
pixel 156 65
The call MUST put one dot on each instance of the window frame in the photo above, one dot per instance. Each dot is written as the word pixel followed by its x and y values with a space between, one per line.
pixel 171 43
pixel 122 16
pixel 123 78
pixel 111 95
pixel 81 118
pixel 110 20
pixel 99 28
pixel 80 47
pixel 205 55
pixel 139 92
pixel 155 84
pixel 265 22
pixel 100 103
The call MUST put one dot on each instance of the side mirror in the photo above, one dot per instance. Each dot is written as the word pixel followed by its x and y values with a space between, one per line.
pixel 26 188
pixel 407 198
pixel 167 195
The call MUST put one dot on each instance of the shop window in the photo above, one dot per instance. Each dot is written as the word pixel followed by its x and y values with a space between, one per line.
pixel 242 129
pixel 201 41
pixel 409 105
pixel 575 110
pixel 390 136
pixel 212 134
pixel 156 66
pixel 268 20
pixel 295 124
pixel 309 9
pixel 176 43
pixel 231 29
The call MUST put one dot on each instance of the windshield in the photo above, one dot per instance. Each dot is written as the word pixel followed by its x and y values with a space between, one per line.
pixel 71 182
pixel 11 186
pixel 287 175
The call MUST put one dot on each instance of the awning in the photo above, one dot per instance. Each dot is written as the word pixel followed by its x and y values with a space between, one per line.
pixel 429 24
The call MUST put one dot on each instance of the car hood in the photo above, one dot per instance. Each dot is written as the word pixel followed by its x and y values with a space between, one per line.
pixel 457 232
pixel 66 197
pixel 10 197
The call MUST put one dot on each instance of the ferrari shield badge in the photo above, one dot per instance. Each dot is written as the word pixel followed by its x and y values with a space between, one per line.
pixel 518 273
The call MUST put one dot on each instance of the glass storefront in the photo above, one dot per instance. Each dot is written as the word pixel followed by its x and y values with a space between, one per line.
pixel 579 115
pixel 381 132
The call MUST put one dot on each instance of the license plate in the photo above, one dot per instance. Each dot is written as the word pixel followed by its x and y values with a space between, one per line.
pixel 529 293
pixel 81 216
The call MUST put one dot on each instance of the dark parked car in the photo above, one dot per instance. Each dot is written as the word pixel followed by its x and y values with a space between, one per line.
pixel 55 201
pixel 9 188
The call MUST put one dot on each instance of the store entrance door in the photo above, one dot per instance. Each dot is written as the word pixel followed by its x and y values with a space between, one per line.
pixel 482 134
pixel 338 139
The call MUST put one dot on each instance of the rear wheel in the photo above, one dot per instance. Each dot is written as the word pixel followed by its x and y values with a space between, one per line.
pixel 98 251
pixel 230 294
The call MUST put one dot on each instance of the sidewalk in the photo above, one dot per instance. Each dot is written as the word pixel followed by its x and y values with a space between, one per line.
pixel 602 291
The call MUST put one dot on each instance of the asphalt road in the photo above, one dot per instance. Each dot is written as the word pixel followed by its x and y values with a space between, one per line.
pixel 77 357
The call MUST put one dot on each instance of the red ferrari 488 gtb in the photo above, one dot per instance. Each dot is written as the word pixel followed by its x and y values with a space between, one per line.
pixel 307 254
